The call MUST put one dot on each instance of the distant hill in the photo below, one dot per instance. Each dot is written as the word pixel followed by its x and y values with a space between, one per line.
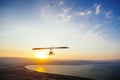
pixel 16 60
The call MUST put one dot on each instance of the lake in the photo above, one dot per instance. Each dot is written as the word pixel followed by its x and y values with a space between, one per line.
pixel 95 71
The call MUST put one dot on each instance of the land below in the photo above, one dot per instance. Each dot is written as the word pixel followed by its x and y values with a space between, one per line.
pixel 14 69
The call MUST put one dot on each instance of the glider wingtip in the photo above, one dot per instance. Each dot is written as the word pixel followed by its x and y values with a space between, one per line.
pixel 33 48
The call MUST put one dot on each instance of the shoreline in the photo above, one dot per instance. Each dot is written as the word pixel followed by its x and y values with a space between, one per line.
pixel 19 72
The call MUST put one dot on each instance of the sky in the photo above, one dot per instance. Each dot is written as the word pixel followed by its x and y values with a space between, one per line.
pixel 91 28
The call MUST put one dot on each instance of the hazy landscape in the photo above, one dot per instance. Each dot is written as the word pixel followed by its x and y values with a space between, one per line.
pixel 14 69
pixel 99 70
pixel 16 60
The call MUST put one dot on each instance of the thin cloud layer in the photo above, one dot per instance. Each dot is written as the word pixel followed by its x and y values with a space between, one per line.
pixel 108 14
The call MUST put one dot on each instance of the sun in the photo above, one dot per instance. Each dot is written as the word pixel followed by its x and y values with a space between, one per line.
pixel 41 54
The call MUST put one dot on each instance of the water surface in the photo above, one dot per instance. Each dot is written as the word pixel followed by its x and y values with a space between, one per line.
pixel 96 71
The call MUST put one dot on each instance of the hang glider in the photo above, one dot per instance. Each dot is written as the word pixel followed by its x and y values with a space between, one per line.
pixel 51 53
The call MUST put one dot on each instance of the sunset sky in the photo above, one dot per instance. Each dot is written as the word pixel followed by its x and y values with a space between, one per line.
pixel 91 28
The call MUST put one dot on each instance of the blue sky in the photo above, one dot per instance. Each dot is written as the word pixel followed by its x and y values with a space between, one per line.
pixel 90 27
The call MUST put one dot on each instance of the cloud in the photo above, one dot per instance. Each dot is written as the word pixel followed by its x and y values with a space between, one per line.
pixel 108 15
pixel 97 8
pixel 91 36
pixel 89 12
pixel 61 2
pixel 81 13
pixel 84 13
pixel 66 10
pixel 98 25
pixel 65 16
